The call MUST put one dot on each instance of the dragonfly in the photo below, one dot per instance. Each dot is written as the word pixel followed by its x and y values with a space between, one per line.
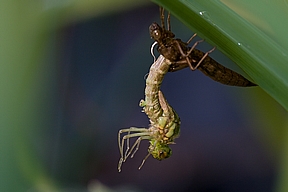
pixel 164 125
pixel 182 56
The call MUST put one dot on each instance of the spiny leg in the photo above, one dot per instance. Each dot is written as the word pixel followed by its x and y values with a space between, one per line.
pixel 168 22
pixel 193 47
pixel 186 56
pixel 138 144
pixel 142 132
pixel 121 142
pixel 191 38
pixel 190 51
pixel 162 17
pixel 120 164
pixel 123 159
pixel 127 146
pixel 126 137
pixel 144 161
pixel 206 54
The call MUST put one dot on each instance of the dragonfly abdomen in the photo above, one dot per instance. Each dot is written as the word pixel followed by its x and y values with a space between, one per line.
pixel 221 74
pixel 153 82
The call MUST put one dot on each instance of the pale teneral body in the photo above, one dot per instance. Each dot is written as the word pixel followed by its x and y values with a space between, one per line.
pixel 164 121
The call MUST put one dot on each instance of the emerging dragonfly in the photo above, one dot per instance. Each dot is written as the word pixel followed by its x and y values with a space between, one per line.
pixel 164 121
pixel 183 56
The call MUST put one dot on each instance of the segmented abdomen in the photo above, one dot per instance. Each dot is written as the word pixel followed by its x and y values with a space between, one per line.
pixel 153 82
pixel 218 72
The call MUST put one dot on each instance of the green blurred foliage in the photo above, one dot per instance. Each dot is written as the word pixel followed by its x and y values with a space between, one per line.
pixel 248 32
pixel 27 73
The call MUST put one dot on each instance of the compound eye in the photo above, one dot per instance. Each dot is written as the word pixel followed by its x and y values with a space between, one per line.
pixel 156 34
pixel 164 154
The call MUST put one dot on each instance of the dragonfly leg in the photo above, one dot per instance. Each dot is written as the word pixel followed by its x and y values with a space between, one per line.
pixel 127 147
pixel 191 38
pixel 168 22
pixel 128 136
pixel 206 54
pixel 120 164
pixel 190 51
pixel 186 56
pixel 142 133
pixel 136 146
pixel 150 149
pixel 144 161
pixel 162 17
pixel 193 47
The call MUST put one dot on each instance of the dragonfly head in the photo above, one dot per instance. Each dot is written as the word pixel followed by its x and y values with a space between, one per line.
pixel 156 32
pixel 159 34
pixel 159 150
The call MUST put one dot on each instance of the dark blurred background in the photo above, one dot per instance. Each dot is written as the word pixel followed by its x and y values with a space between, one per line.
pixel 94 77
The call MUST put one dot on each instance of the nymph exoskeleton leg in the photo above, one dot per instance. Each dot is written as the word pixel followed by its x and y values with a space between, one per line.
pixel 162 18
pixel 186 56
pixel 168 22
pixel 206 54
pixel 191 38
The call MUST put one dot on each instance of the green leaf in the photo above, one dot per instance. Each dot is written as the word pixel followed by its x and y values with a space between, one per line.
pixel 251 33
